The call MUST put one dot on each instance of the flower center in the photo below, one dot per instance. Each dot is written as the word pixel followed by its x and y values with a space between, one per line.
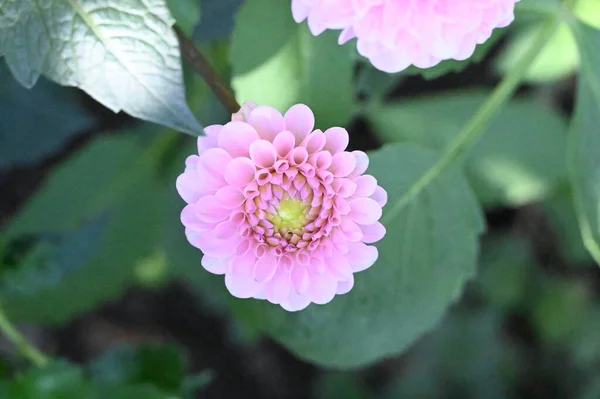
pixel 290 214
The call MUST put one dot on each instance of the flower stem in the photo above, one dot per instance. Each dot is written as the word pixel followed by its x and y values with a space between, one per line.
pixel 203 68
pixel 477 124
pixel 25 348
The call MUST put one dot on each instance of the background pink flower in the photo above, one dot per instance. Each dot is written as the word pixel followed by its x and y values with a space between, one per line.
pixel 282 210
pixel 394 34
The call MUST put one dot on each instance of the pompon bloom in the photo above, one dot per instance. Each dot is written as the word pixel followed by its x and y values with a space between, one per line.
pixel 281 209
pixel 394 34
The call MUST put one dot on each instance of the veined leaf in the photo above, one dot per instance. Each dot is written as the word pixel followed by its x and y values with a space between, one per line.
pixel 122 52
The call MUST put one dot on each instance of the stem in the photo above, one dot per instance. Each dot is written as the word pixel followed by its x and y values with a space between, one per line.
pixel 203 68
pixel 25 348
pixel 477 124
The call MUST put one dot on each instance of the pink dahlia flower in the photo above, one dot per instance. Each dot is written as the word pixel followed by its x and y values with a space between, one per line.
pixel 282 210
pixel 394 34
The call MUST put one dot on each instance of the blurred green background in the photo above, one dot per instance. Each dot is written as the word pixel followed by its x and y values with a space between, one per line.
pixel 95 268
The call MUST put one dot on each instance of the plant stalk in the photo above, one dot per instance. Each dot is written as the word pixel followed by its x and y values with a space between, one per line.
pixel 203 68
pixel 25 348
pixel 469 134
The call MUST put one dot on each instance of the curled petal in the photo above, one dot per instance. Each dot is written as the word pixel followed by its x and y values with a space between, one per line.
pixel 342 164
pixel 372 232
pixel 239 279
pixel 299 120
pixel 336 140
pixel 239 172
pixel 230 197
pixel 362 256
pixel 263 153
pixel 380 196
pixel 236 137
pixel 215 265
pixel 267 121
pixel 284 143
pixel 364 211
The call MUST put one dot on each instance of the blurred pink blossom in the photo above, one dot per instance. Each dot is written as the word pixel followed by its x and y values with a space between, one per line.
pixel 281 209
pixel 394 34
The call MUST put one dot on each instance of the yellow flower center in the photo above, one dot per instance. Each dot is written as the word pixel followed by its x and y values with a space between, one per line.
pixel 290 214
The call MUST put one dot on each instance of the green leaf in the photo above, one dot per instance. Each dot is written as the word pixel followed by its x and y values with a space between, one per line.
pixel 124 54
pixel 428 254
pixel 186 14
pixel 57 380
pixel 290 65
pixel 517 159
pixel 29 128
pixel 118 191
pixel 584 141
pixel 560 211
pixel 547 66
pixel 506 264
pixel 217 19
pixel 160 365
pixel 61 380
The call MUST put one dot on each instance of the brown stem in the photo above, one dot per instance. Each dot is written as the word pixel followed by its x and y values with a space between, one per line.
pixel 200 64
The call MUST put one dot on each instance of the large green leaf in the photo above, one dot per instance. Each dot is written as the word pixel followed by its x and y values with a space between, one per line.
pixel 289 66
pixel 61 380
pixel 217 19
pixel 547 66
pixel 122 52
pixel 518 159
pixel 186 14
pixel 160 365
pixel 584 142
pixel 429 252
pixel 29 126
pixel 108 189
pixel 57 380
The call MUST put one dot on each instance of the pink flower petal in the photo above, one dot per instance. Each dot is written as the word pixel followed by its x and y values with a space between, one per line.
pixel 265 268
pixel 299 120
pixel 236 137
pixel 239 280
pixel 380 196
pixel 239 172
pixel 365 186
pixel 215 265
pixel 321 160
pixel 263 153
pixel 278 288
pixel 362 163
pixel 300 279
pixel 208 209
pixel 189 187
pixel 230 197
pixel 322 288
pixel 372 232
pixel 225 229
pixel 342 164
pixel 314 142
pixel 215 247
pixel 214 161
pixel 295 302
pixel 267 121
pixel 284 143
pixel 339 267
pixel 351 230
pixel 345 286
pixel 212 130
pixel 362 256
pixel 336 139
pixel 364 211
